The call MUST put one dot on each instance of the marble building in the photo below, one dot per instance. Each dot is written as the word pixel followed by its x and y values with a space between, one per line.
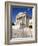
pixel 22 19
pixel 21 28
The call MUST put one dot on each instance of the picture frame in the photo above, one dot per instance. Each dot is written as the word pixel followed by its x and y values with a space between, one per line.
pixel 11 6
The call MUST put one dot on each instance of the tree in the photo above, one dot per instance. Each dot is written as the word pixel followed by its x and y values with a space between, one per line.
pixel 13 23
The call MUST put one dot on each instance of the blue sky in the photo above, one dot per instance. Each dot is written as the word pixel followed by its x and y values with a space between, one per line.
pixel 16 9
